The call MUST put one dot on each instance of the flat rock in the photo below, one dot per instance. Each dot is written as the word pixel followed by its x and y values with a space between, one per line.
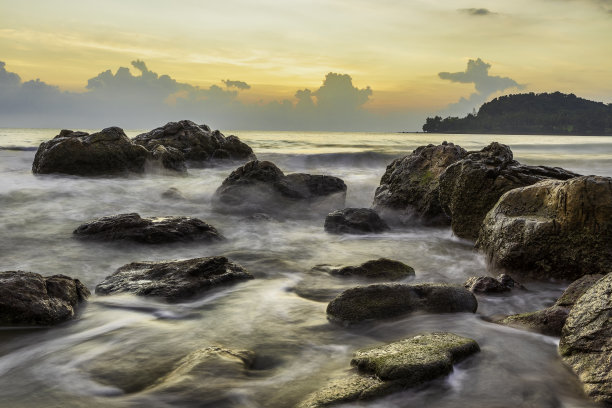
pixel 155 230
pixel 382 301
pixel 30 299
pixel 489 284
pixel 552 229
pixel 380 269
pixel 354 221
pixel 173 281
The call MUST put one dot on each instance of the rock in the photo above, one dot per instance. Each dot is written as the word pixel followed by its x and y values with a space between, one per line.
pixel 30 299
pixel 409 188
pixel 196 142
pixel 488 284
pixel 172 281
pixel 169 158
pixel 382 301
pixel 586 340
pixel 470 187
pixel 396 366
pixel 354 221
pixel 261 187
pixel 552 229
pixel 155 230
pixel 550 321
pixel 107 152
pixel 381 268
pixel 173 193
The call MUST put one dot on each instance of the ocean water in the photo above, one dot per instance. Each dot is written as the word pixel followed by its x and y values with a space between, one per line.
pixel 120 346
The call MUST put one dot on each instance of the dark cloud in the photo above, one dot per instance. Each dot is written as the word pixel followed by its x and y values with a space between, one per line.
pixel 236 84
pixel 477 11
pixel 477 73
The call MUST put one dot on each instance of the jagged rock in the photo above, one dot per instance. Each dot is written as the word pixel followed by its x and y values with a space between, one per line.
pixel 30 299
pixel 409 188
pixel 107 152
pixel 196 142
pixel 396 366
pixel 382 301
pixel 470 187
pixel 489 284
pixel 261 187
pixel 155 230
pixel 354 221
pixel 381 268
pixel 172 281
pixel 550 321
pixel 586 340
pixel 552 229
pixel 169 158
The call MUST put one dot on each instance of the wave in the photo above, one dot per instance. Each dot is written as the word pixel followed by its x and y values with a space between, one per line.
pixel 349 159
pixel 19 148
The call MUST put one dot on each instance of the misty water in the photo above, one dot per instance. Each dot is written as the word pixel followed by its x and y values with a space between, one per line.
pixel 119 346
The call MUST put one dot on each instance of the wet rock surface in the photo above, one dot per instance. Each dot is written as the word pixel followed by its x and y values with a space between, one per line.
pixel 354 221
pixel 489 284
pixel 470 187
pixel 381 301
pixel 30 299
pixel 196 142
pixel 154 230
pixel 173 281
pixel 409 189
pixel 381 268
pixel 261 187
pixel 552 229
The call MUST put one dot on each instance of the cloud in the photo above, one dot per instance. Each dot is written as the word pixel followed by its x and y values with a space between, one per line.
pixel 477 73
pixel 236 84
pixel 477 11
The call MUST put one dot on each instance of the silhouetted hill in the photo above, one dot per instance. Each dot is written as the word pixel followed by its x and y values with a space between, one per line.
pixel 529 113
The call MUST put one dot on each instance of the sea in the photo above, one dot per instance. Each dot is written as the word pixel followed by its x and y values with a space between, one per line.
pixel 120 348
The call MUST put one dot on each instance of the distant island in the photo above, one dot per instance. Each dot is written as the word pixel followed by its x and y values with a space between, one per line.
pixel 529 113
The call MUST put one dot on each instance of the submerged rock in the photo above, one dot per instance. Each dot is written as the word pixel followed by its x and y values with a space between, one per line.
pixel 552 229
pixel 409 187
pixel 354 221
pixel 396 366
pixel 382 301
pixel 155 230
pixel 30 299
pixel 172 281
pixel 488 284
pixel 107 152
pixel 470 187
pixel 196 142
pixel 381 268
pixel 173 193
pixel 261 187
pixel 586 340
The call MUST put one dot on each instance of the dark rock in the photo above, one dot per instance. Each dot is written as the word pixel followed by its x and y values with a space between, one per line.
pixel 156 230
pixel 381 268
pixel 552 229
pixel 488 284
pixel 30 299
pixel 470 187
pixel 107 152
pixel 169 158
pixel 409 188
pixel 586 340
pixel 354 221
pixel 390 300
pixel 196 142
pixel 172 281
pixel 396 366
pixel 173 193
pixel 261 187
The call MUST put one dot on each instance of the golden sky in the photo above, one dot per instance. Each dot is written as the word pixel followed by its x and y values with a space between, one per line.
pixel 395 47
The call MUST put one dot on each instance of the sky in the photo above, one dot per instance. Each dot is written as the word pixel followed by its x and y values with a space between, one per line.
pixel 349 65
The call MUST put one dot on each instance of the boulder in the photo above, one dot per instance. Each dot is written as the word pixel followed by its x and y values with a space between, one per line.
pixel 382 301
pixel 197 142
pixel 552 229
pixel 173 281
pixel 489 284
pixel 108 152
pixel 586 340
pixel 409 188
pixel 470 187
pixel 169 158
pixel 354 221
pixel 155 230
pixel 261 187
pixel 30 299
pixel 396 366
pixel 382 268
